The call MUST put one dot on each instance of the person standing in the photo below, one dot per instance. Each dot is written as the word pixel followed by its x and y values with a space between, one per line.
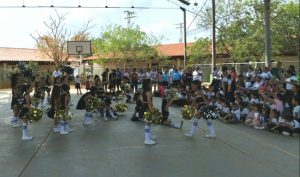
pixel 118 79
pixel 134 80
pixel 56 73
pixel 153 76
pixel 176 77
pixel 147 107
pixel 105 79
pixel 112 81
pixel 197 75
pixel 165 78
pixel 78 84
pixel 24 113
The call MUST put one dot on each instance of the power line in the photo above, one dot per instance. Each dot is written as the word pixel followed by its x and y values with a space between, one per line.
pixel 87 7
pixel 196 15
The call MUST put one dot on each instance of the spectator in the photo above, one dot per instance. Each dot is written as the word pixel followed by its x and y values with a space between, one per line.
pixel 176 77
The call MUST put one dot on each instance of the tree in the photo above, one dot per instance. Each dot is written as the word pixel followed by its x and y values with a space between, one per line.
pixel 125 44
pixel 240 27
pixel 53 44
pixel 200 49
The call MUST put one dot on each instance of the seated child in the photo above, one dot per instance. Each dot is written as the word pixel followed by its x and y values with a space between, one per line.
pixel 129 96
pixel 253 118
pixel 273 119
pixel 233 116
pixel 224 108
pixel 245 111
pixel 254 99
pixel 287 125
pixel 264 119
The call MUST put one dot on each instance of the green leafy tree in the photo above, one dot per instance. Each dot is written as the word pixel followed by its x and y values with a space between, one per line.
pixel 200 50
pixel 125 44
pixel 240 27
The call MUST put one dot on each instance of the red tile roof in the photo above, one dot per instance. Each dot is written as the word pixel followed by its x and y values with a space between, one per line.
pixel 23 54
pixel 172 50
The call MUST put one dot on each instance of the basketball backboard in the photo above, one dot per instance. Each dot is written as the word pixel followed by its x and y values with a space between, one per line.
pixel 79 47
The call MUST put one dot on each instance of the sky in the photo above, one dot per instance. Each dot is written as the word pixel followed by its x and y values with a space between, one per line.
pixel 17 24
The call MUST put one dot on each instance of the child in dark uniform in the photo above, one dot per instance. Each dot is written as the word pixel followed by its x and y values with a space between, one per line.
pixel 63 106
pixel 81 105
pixel 24 111
pixel 165 104
pixel 17 99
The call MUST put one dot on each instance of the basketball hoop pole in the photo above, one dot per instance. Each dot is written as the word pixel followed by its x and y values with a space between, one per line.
pixel 80 65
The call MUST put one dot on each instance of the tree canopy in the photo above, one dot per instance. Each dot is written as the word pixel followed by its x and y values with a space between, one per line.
pixel 53 44
pixel 240 28
pixel 125 44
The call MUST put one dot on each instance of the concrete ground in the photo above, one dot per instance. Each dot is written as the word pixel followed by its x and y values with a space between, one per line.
pixel 116 149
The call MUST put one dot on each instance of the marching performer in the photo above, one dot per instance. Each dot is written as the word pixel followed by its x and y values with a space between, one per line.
pixel 85 103
pixel 202 111
pixel 17 98
pixel 148 107
pixel 24 113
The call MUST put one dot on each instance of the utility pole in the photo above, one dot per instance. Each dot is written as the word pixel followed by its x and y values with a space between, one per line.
pixel 267 33
pixel 129 16
pixel 180 27
pixel 184 36
pixel 213 51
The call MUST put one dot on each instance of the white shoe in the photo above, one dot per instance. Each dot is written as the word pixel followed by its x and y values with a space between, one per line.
pixel 16 124
pixel 88 122
pixel 189 134
pixel 258 127
pixel 113 116
pixel 64 132
pixel 105 118
pixel 286 133
pixel 25 138
pixel 69 129
pixel 56 129
pixel 150 142
pixel 153 137
pixel 176 126
pixel 210 136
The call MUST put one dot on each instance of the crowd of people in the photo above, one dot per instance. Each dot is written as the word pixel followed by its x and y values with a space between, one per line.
pixel 259 98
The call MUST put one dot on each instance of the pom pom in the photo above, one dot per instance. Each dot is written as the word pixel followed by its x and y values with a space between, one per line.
pixel 25 70
pixel 154 117
pixel 171 94
pixel 94 103
pixel 121 107
pixel 210 112
pixel 67 69
pixel 188 112
pixel 63 115
pixel 125 87
pixel 35 114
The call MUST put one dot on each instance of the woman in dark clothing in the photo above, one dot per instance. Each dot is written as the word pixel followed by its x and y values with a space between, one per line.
pixel 24 111
pixel 17 99
pixel 147 106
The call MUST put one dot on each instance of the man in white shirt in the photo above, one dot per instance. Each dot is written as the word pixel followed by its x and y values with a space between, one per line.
pixel 56 73
pixel 197 74
pixel 290 82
